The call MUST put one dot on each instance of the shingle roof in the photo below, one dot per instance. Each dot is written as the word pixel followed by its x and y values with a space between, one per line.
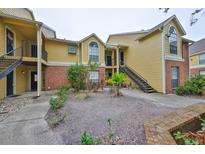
pixel 197 47
pixel 164 23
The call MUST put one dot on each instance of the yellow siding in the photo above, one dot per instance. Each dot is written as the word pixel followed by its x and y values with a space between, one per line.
pixel 194 60
pixel 179 42
pixel 58 52
pixel 85 50
pixel 145 57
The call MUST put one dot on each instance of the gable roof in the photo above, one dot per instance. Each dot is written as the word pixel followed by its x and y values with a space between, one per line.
pixel 92 35
pixel 127 33
pixel 197 47
pixel 164 23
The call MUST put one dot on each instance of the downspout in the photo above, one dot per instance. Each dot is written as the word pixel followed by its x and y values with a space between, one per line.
pixel 163 64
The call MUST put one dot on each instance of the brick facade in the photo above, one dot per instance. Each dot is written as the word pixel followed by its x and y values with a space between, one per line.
pixel 183 69
pixel 196 71
pixel 56 76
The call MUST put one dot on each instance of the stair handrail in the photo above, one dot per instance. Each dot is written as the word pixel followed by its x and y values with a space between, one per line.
pixel 2 56
pixel 125 65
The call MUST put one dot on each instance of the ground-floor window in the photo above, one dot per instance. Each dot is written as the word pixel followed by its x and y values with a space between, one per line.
pixel 94 76
pixel 202 72
pixel 174 77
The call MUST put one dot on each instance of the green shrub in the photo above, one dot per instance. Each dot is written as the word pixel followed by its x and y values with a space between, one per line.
pixel 57 102
pixel 77 76
pixel 118 79
pixel 87 139
pixel 193 86
pixel 63 91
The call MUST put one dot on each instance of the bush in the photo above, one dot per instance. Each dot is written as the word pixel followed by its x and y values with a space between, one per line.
pixel 57 102
pixel 60 98
pixel 193 86
pixel 63 91
pixel 87 139
pixel 77 75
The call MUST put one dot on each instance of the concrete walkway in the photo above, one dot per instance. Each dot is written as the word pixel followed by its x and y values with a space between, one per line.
pixel 28 127
pixel 169 100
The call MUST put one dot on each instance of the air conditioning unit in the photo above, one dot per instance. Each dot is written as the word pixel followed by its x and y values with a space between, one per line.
pixel 72 50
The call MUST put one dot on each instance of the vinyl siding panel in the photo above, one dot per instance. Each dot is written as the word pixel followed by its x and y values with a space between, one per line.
pixel 58 52
pixel 145 57
pixel 194 60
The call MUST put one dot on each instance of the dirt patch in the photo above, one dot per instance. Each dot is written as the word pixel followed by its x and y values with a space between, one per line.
pixel 91 115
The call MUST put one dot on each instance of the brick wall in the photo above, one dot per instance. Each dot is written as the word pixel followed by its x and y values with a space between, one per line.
pixel 196 71
pixel 55 77
pixel 183 69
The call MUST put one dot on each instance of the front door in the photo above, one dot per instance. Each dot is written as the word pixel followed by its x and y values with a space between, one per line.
pixel 9 42
pixel 121 58
pixel 33 81
pixel 9 83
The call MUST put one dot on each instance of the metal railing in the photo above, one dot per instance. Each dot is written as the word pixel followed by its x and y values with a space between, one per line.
pixel 140 76
pixel 15 53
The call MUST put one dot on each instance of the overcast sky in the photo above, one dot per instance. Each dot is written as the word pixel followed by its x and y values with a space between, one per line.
pixel 75 24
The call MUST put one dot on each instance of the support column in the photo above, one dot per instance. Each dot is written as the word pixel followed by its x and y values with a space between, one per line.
pixel 39 52
pixel 117 59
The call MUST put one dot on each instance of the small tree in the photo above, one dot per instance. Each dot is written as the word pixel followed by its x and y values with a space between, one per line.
pixel 118 79
pixel 77 75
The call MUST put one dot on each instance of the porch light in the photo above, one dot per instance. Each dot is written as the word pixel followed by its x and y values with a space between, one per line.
pixel 23 72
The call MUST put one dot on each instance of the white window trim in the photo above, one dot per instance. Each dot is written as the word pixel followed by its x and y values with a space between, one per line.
pixel 169 40
pixel 89 49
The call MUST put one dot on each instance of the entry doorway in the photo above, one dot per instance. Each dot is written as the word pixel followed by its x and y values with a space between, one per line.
pixel 109 60
pixel 34 81
pixel 121 58
pixel 9 84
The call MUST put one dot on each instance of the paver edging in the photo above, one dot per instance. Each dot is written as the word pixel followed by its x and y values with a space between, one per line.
pixel 157 129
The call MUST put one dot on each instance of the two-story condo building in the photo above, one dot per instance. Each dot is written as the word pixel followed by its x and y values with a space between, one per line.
pixel 32 58
pixel 197 57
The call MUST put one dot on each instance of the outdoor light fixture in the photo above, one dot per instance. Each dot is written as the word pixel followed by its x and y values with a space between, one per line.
pixel 23 72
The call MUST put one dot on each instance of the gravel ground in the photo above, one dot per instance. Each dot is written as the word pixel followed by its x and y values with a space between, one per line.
pixel 91 114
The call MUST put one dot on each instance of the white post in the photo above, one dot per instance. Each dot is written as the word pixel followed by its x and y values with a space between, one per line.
pixel 117 53
pixel 39 48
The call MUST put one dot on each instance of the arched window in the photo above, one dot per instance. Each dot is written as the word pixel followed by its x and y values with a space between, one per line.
pixel 173 40
pixel 93 52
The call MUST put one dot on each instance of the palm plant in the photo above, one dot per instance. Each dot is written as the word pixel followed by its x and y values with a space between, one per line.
pixel 118 79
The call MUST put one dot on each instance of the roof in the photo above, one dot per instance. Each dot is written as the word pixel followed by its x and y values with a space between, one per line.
pixel 91 35
pixel 63 40
pixel 114 46
pixel 128 33
pixel 197 47
pixel 164 23
pixel 31 12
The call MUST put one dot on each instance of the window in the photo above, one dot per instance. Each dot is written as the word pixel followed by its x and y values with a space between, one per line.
pixel 173 40
pixel 202 72
pixel 93 52
pixel 72 49
pixel 94 76
pixel 174 77
pixel 202 59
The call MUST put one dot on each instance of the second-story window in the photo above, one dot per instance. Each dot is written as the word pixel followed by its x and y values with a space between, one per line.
pixel 202 58
pixel 93 52
pixel 173 40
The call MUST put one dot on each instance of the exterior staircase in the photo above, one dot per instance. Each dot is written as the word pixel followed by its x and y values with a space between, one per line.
pixel 137 78
pixel 8 62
